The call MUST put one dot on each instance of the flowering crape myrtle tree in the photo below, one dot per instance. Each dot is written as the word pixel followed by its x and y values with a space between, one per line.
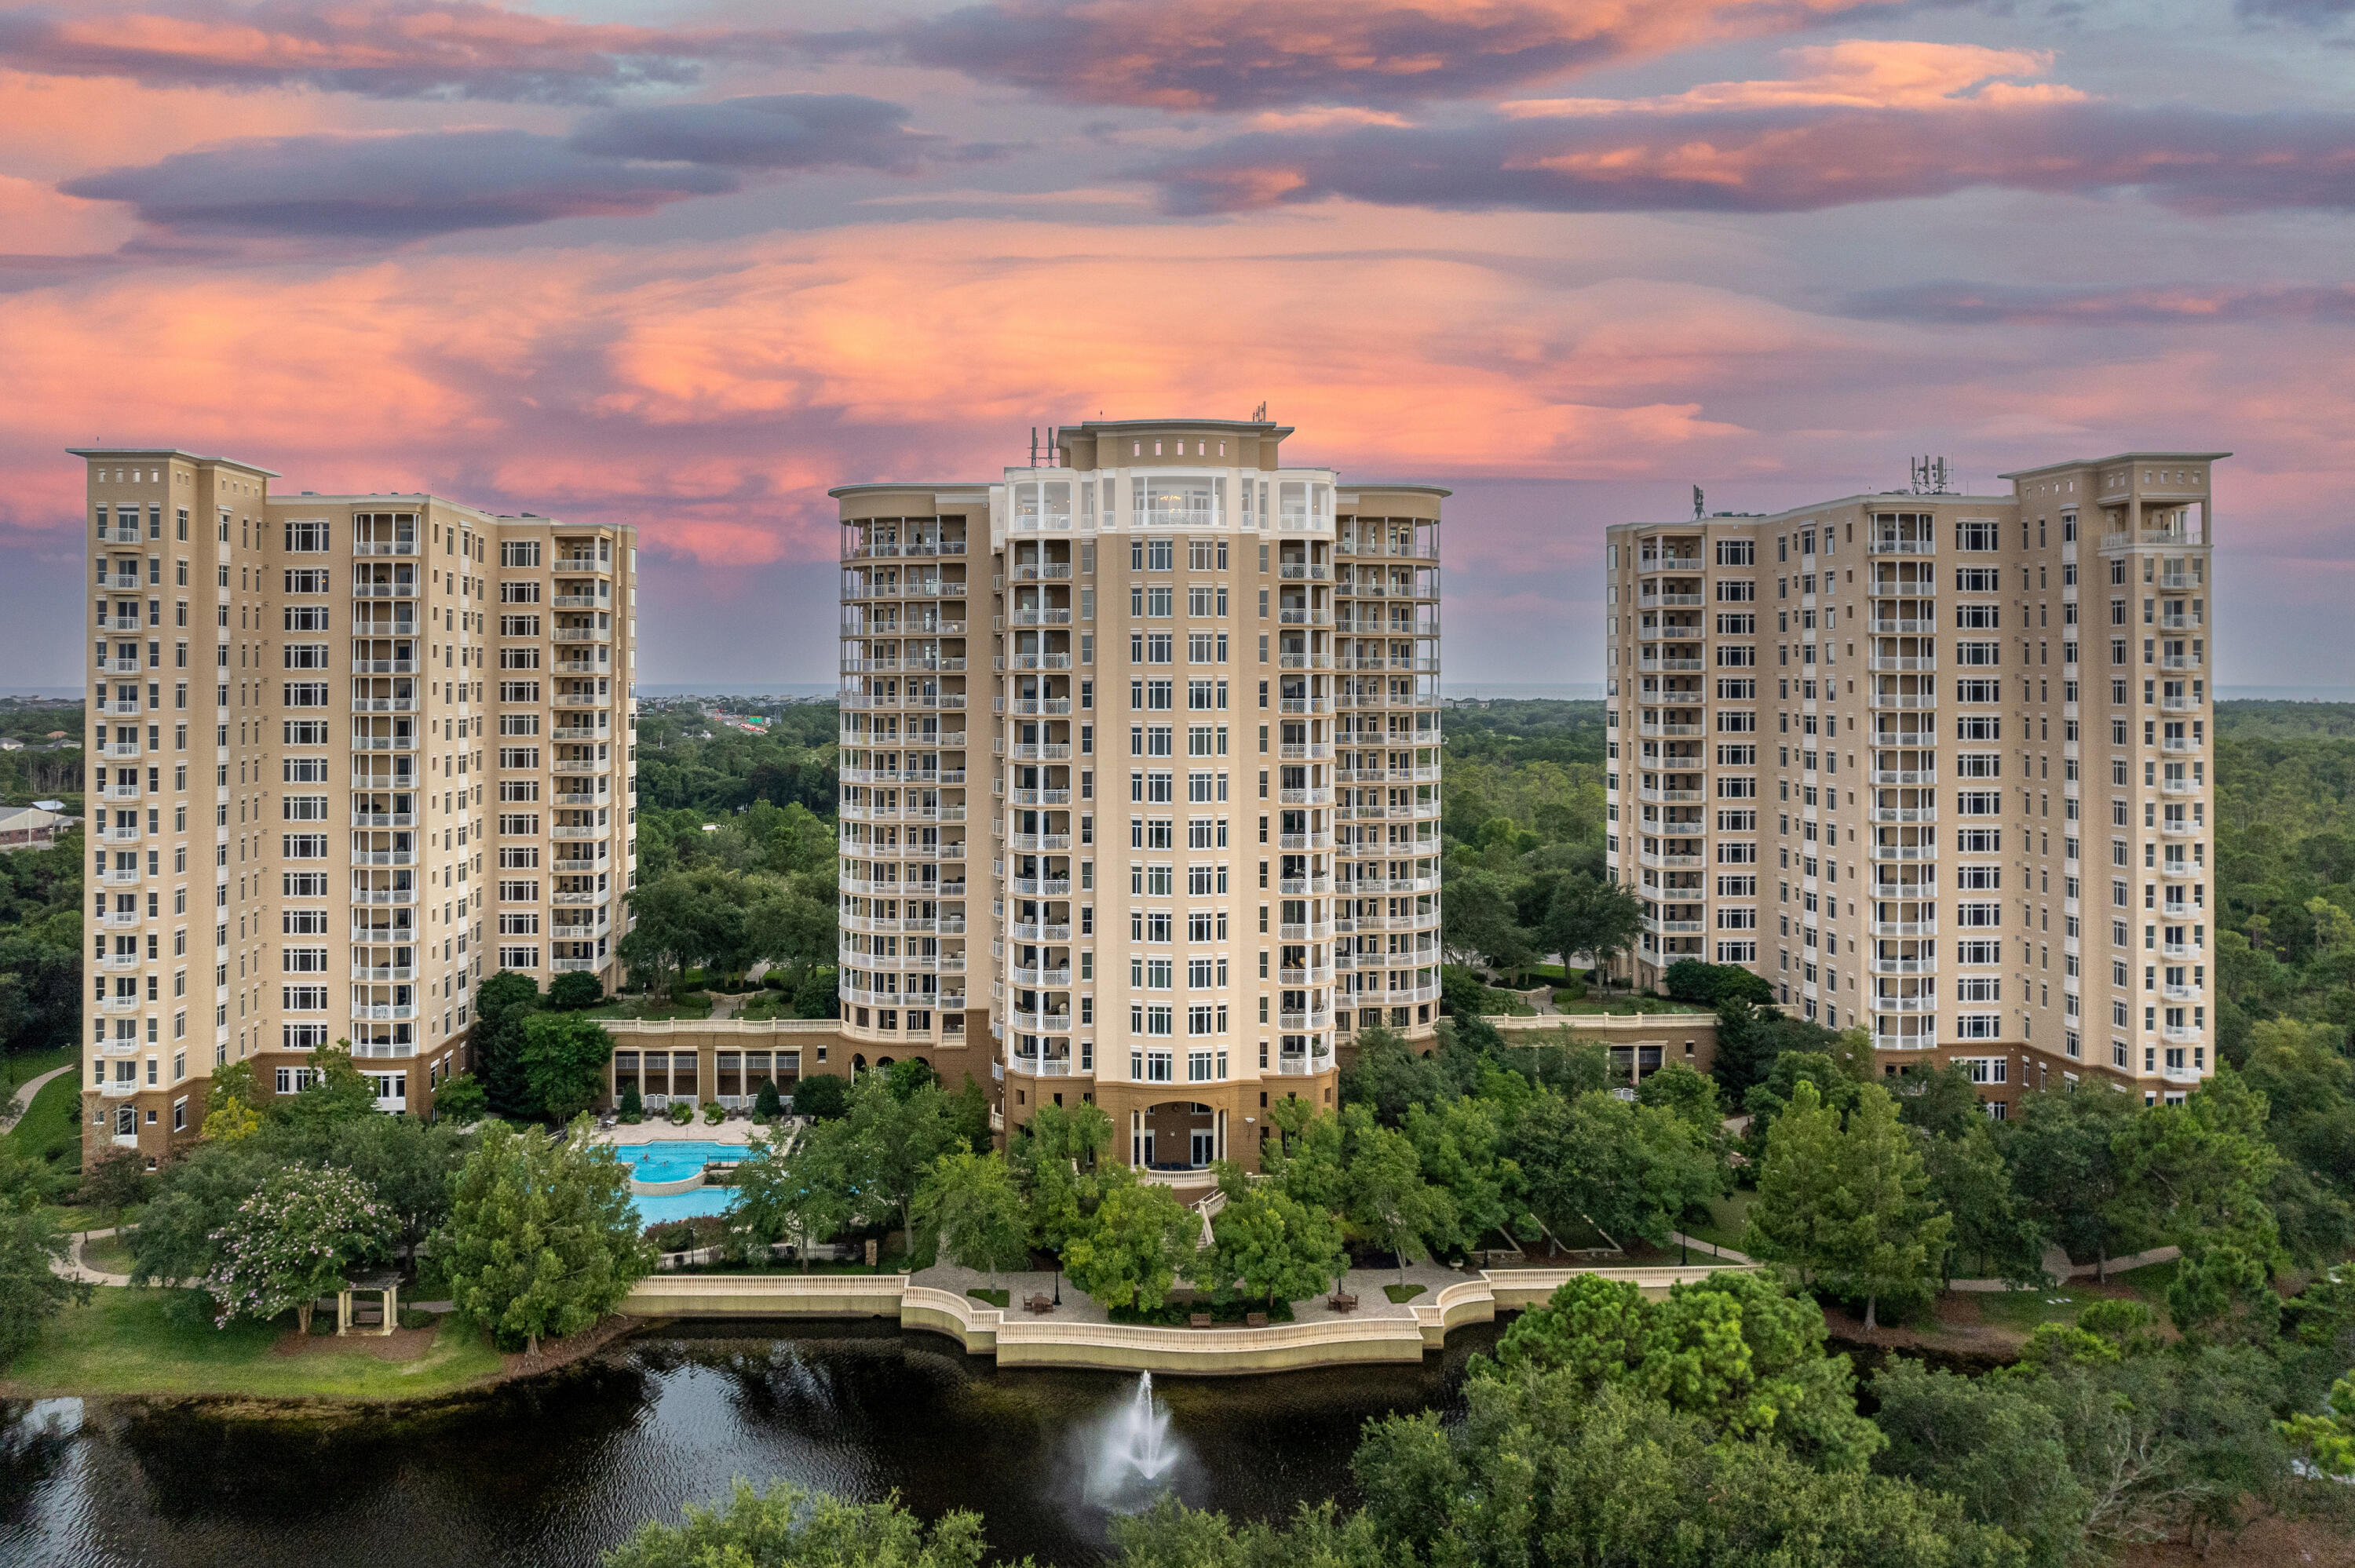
pixel 294 1240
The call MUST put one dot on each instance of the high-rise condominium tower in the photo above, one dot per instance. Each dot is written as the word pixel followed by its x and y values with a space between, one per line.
pixel 1936 765
pixel 1140 777
pixel 350 754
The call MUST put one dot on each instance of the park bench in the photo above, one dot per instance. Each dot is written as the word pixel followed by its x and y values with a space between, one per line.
pixel 1255 1319
pixel 1198 1321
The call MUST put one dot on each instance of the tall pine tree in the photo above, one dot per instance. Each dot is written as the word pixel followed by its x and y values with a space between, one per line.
pixel 501 1004
pixel 1889 1238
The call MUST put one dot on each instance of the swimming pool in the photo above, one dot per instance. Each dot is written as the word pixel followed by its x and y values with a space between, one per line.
pixel 655 1209
pixel 675 1160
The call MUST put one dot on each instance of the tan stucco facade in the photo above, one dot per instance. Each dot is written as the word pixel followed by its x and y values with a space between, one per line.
pixel 1936 765
pixel 1162 833
pixel 352 754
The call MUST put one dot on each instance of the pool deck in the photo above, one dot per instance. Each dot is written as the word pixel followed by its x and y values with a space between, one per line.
pixel 660 1130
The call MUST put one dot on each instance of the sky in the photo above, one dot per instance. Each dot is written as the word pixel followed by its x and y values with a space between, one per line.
pixel 684 266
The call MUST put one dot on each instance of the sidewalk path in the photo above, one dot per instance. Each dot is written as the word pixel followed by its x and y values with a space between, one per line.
pixel 25 1095
pixel 1722 1254
pixel 74 1268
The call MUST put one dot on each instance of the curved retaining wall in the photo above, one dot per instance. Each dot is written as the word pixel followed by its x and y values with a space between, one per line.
pixel 1017 1339
pixel 659 1189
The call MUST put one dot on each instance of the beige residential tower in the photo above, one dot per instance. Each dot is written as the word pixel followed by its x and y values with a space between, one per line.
pixel 350 755
pixel 1936 765
pixel 1140 777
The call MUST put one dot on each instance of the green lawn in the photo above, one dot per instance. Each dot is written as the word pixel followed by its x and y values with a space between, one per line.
pixel 108 1254
pixel 51 1128
pixel 1728 1217
pixel 2024 1309
pixel 640 1007
pixel 1402 1293
pixel 124 1343
pixel 1622 1005
pixel 2027 1309
pixel 999 1299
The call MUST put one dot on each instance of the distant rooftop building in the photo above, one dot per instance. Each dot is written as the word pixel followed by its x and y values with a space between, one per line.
pixel 31 827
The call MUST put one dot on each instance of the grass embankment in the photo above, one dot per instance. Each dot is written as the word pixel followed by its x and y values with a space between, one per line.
pixel 24 1066
pixel 50 1131
pixel 126 1342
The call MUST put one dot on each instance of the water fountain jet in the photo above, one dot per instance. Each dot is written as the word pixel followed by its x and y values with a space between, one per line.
pixel 1132 1452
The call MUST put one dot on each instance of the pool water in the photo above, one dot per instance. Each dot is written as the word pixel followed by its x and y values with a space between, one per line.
pixel 676 1160
pixel 657 1208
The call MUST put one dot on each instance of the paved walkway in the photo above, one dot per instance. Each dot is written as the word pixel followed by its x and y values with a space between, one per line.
pixel 2058 1270
pixel 1078 1306
pixel 1722 1254
pixel 25 1094
pixel 1365 1284
pixel 74 1268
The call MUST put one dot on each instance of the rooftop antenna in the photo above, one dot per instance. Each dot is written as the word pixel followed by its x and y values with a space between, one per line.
pixel 1034 446
pixel 1930 476
pixel 1698 504
pixel 1259 415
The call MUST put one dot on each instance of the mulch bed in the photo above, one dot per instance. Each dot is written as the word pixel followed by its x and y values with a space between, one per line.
pixel 400 1345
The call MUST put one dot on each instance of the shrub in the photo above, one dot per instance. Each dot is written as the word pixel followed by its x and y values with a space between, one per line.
pixel 714 1113
pixel 461 1101
pixel 416 1317
pixel 768 1104
pixel 571 992
pixel 689 1235
pixel 681 1113
pixel 1710 985
pixel 823 1097
pixel 633 1107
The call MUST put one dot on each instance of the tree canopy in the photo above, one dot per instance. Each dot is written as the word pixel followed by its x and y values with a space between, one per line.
pixel 541 1239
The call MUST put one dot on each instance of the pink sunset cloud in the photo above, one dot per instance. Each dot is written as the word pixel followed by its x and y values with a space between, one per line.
pixel 686 269
pixel 1237 54
pixel 388 48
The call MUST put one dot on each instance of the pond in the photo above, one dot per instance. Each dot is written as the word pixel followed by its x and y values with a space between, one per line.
pixel 554 1472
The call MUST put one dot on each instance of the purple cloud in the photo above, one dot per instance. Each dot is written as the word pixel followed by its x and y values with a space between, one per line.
pixel 379 48
pixel 1786 160
pixel 415 184
pixel 1234 55
pixel 1969 305
pixel 397 187
pixel 787 131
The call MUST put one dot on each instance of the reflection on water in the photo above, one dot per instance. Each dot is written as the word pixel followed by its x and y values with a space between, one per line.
pixel 555 1473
